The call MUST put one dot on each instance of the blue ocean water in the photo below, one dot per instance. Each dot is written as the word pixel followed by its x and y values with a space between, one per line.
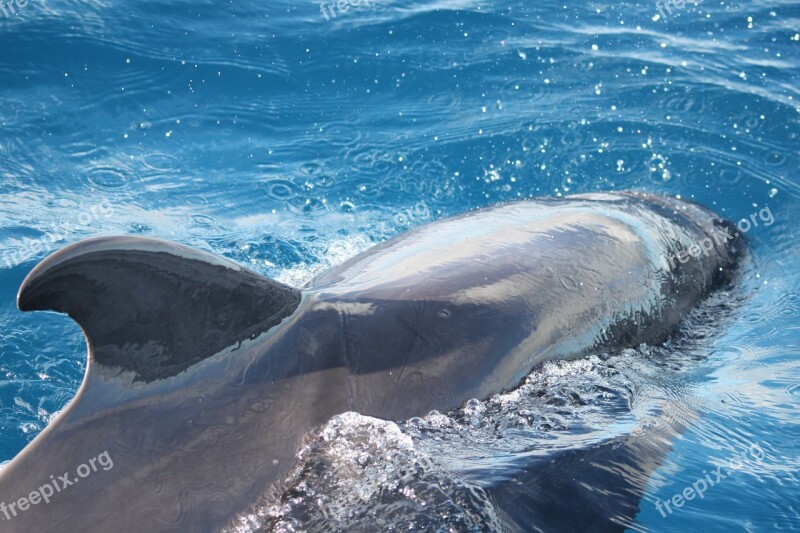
pixel 288 140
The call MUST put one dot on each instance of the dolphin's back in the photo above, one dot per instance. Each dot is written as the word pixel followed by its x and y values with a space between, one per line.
pixel 203 377
pixel 467 306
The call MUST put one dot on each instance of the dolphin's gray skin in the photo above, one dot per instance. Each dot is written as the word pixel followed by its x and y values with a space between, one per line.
pixel 203 377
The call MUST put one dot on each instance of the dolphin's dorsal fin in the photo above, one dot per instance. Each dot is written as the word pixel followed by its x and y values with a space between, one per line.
pixel 153 307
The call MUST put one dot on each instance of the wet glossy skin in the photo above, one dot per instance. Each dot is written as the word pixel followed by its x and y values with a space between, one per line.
pixel 456 309
pixel 466 307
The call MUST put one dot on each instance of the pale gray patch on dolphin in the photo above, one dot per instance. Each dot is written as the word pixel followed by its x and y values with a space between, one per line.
pixel 350 308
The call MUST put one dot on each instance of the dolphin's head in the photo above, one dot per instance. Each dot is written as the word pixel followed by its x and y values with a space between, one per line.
pixel 718 240
pixel 720 236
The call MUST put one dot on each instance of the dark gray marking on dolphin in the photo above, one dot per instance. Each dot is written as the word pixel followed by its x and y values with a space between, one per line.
pixel 203 377
pixel 220 303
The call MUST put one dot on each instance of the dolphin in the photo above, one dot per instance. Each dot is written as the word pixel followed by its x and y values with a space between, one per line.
pixel 204 378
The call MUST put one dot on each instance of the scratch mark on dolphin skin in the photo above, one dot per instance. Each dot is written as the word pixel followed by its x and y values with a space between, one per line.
pixel 419 312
